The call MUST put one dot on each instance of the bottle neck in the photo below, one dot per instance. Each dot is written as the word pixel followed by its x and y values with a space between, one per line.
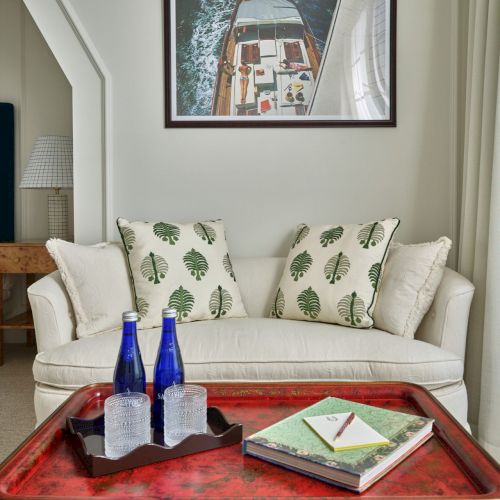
pixel 168 329
pixel 129 337
pixel 168 336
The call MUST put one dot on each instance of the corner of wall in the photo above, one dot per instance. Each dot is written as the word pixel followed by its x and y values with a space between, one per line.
pixel 64 35
pixel 454 142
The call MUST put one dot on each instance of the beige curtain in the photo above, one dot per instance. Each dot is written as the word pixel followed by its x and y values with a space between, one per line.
pixel 479 250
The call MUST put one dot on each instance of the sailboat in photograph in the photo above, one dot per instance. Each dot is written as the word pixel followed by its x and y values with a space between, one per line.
pixel 269 62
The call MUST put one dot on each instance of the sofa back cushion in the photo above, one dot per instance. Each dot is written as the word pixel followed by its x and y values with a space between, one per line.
pixel 258 278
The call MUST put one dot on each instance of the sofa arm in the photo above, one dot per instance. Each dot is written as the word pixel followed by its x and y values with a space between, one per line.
pixel 52 312
pixel 445 324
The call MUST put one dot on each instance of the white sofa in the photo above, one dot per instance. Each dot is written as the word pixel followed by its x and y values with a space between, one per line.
pixel 260 348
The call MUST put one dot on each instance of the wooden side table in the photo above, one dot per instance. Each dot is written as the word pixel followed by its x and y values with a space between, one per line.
pixel 28 259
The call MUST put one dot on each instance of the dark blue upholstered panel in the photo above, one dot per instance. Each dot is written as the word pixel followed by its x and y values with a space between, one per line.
pixel 6 172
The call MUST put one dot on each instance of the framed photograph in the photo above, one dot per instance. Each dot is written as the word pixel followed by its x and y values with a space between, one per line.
pixel 280 63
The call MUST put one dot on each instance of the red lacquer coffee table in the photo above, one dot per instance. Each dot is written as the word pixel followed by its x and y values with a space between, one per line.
pixel 450 465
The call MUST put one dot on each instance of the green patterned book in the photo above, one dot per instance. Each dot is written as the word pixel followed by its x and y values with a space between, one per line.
pixel 293 444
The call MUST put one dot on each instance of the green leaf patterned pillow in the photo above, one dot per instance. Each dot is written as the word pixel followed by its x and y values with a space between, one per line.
pixel 333 273
pixel 185 266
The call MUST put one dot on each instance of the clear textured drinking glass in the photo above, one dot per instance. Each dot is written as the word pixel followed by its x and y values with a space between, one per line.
pixel 185 412
pixel 127 423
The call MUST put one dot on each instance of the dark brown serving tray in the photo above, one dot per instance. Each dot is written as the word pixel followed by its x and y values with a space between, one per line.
pixel 87 438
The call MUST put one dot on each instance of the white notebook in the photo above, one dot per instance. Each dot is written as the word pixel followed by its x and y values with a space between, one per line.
pixel 358 434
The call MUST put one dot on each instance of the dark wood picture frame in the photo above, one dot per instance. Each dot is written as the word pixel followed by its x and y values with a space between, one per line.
pixel 195 122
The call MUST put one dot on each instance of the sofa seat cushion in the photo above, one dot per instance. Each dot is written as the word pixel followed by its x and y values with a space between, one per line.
pixel 249 349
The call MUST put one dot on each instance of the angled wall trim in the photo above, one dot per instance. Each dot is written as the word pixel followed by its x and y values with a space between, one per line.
pixel 87 77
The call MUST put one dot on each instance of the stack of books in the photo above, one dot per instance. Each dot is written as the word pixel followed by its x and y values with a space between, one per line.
pixel 373 442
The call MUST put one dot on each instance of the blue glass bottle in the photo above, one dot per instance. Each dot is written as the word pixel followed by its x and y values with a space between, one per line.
pixel 169 368
pixel 129 370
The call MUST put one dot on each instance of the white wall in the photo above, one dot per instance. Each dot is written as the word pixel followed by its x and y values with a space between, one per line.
pixel 264 182
pixel 31 79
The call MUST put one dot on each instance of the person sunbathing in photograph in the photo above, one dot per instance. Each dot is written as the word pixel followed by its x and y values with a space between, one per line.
pixel 286 64
pixel 244 70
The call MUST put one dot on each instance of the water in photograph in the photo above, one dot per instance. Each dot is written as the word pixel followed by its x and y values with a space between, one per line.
pixel 201 25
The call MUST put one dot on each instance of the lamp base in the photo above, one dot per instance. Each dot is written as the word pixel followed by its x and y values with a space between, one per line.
pixel 58 216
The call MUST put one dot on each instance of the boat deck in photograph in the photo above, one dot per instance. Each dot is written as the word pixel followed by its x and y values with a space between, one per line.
pixel 269 62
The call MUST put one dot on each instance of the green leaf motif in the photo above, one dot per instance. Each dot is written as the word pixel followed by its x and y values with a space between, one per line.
pixel 374 274
pixel 196 263
pixel 300 265
pixel 371 235
pixel 352 309
pixel 182 301
pixel 337 267
pixel 128 236
pixel 142 307
pixel 308 302
pixel 205 232
pixel 167 232
pixel 220 302
pixel 278 305
pixel 228 266
pixel 302 231
pixel 331 236
pixel 154 268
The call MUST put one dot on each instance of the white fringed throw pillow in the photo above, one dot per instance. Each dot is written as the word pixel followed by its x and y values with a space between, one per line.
pixel 97 281
pixel 411 278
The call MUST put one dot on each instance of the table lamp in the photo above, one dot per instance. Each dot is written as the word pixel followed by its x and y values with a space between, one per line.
pixel 51 166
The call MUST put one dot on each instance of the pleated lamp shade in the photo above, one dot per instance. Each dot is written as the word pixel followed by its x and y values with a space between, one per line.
pixel 50 164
